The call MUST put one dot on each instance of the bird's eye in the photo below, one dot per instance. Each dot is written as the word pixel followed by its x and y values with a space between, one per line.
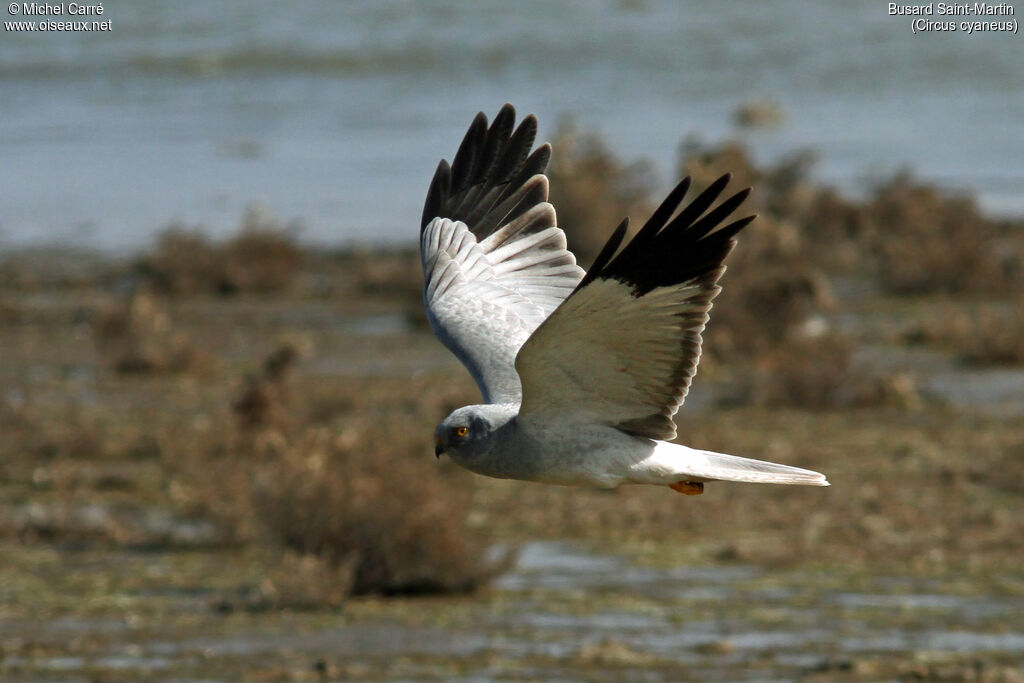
pixel 461 431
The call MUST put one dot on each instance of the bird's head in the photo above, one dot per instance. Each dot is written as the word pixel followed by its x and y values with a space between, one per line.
pixel 465 435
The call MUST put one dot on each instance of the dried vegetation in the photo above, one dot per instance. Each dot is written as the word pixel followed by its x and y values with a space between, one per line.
pixel 328 476
pixel 261 257
pixel 332 478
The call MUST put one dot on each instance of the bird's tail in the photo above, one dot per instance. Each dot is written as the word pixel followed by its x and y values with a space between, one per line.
pixel 682 463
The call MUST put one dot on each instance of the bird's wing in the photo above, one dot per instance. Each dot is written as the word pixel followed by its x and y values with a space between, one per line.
pixel 494 263
pixel 623 348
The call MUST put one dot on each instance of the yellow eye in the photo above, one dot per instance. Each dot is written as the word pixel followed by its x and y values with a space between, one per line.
pixel 461 431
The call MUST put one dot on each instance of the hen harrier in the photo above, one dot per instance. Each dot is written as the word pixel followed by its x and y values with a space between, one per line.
pixel 581 373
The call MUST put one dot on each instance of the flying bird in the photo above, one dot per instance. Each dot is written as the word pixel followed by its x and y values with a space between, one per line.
pixel 581 372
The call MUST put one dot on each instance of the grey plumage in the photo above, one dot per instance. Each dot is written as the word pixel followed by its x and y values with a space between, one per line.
pixel 581 373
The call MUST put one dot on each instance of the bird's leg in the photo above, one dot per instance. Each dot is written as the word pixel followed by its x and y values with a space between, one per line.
pixel 689 488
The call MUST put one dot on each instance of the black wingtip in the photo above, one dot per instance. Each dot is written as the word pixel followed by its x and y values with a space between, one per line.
pixel 713 218
pixel 665 252
pixel 607 251
pixel 668 207
pixel 730 231
pixel 469 152
pixel 492 164
pixel 440 185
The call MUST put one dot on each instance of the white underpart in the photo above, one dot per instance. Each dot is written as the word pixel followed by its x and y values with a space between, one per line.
pixel 578 453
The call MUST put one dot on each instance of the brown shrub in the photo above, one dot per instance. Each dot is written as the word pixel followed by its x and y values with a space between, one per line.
pixel 769 293
pixel 263 401
pixel 986 334
pixel 137 335
pixel 928 242
pixel 820 373
pixel 9 313
pixel 56 268
pixel 42 435
pixel 774 284
pixel 184 262
pixel 811 373
pixel 383 510
pixel 593 190
pixel 338 483
pixel 910 237
pixel 782 191
pixel 393 274
pixel 997 340
pixel 706 163
pixel 262 257
pixel 293 582
pixel 389 274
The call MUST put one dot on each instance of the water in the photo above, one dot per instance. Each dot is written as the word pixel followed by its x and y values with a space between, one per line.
pixel 335 114
pixel 563 613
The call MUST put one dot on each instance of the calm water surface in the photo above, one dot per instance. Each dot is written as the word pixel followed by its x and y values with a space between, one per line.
pixel 333 114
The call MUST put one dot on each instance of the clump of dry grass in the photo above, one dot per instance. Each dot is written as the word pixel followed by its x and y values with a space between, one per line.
pixel 33 433
pixel 184 262
pixel 811 373
pixel 338 489
pixel 818 373
pixel 769 294
pixel 397 275
pixel 908 236
pixel 293 582
pixel 263 400
pixel 930 242
pixel 56 268
pixel 986 334
pixel 386 514
pixel 76 475
pixel 261 257
pixel 138 336
pixel 995 341
pixel 593 190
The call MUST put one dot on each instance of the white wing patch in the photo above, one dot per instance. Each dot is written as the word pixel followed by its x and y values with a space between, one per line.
pixel 484 299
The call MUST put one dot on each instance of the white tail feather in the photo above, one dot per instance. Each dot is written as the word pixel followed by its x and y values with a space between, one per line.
pixel 674 462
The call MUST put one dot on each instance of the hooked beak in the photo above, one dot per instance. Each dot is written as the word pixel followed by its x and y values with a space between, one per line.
pixel 438 447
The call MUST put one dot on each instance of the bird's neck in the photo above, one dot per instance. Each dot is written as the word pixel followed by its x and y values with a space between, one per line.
pixel 506 456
